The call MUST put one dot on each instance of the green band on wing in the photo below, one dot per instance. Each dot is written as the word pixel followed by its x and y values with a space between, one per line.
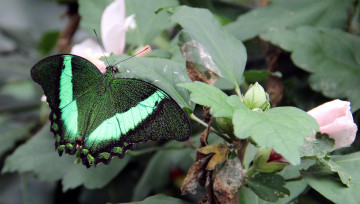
pixel 68 106
pixel 121 123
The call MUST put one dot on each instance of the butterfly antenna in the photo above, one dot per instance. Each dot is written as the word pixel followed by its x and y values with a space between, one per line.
pixel 101 46
pixel 141 51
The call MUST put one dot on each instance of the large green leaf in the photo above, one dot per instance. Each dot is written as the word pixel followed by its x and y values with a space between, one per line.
pixel 331 55
pixel 207 95
pixel 39 156
pixel 163 73
pixel 207 41
pixel 297 187
pixel 12 130
pixel 24 21
pixel 160 199
pixel 318 147
pixel 333 189
pixel 283 129
pixel 351 163
pixel 269 187
pixel 157 172
pixel 91 12
pixel 326 184
pixel 291 14
pixel 148 23
pixel 247 196
pixel 342 165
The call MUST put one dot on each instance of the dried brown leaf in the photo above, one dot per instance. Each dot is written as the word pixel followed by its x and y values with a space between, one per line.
pixel 197 173
pixel 228 181
pixel 194 73
pixel 220 153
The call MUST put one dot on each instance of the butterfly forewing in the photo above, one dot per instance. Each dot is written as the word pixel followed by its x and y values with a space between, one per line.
pixel 67 81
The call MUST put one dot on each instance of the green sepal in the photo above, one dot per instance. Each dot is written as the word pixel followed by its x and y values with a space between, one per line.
pixel 262 165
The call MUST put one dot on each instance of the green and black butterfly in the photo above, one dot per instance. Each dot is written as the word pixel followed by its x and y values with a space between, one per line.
pixel 102 116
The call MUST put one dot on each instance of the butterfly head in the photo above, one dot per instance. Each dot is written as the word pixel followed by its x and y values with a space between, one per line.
pixel 113 69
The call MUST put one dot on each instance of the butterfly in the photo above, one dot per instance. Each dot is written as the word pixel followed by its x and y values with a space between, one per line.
pixel 102 116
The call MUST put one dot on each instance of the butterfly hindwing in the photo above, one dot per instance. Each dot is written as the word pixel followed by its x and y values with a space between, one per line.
pixel 136 112
pixel 67 80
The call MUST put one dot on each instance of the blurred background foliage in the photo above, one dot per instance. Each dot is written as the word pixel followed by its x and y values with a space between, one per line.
pixel 302 41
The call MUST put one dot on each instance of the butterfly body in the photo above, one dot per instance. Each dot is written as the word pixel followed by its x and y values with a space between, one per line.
pixel 102 116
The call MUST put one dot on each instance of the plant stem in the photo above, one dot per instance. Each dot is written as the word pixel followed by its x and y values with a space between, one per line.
pixel 193 117
pixel 24 182
pixel 238 92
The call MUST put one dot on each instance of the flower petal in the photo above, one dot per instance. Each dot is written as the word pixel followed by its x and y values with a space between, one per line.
pixel 343 131
pixel 113 27
pixel 336 120
pixel 90 50
pixel 328 112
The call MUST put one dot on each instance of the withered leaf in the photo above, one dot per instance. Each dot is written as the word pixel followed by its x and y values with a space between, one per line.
pixel 228 181
pixel 219 154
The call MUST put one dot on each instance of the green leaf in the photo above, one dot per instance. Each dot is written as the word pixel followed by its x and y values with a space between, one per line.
pixel 214 48
pixel 48 42
pixel 207 95
pixel 18 95
pixel 11 132
pixel 248 196
pixel 148 23
pixel 160 199
pixel 93 178
pixel 157 172
pixel 39 156
pixel 319 147
pixel 291 14
pixel 253 76
pixel 283 129
pixel 269 187
pixel 26 21
pixel 333 189
pixel 163 73
pixel 91 12
pixel 350 163
pixel 296 188
pixel 345 166
pixel 331 55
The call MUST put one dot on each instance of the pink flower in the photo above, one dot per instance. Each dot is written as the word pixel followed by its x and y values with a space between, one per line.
pixel 113 28
pixel 335 119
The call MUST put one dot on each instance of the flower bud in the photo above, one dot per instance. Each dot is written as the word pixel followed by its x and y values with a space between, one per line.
pixel 225 124
pixel 268 161
pixel 256 98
